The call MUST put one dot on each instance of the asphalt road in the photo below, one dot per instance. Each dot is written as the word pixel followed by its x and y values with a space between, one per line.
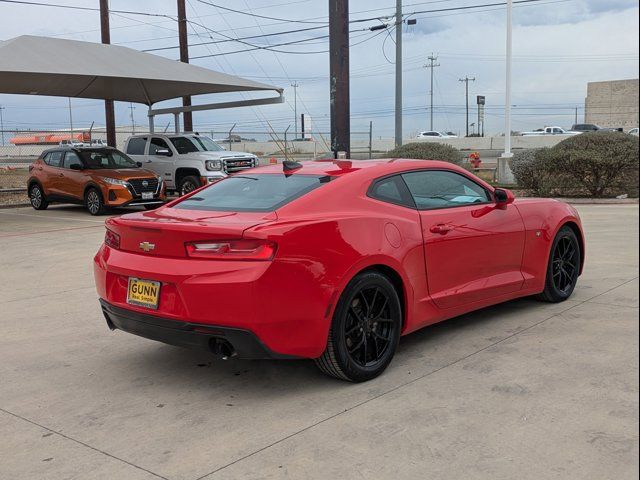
pixel 523 390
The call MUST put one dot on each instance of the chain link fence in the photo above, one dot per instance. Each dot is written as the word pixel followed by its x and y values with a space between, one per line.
pixel 23 146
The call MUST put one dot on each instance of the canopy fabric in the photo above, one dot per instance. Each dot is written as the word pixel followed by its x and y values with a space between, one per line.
pixel 70 68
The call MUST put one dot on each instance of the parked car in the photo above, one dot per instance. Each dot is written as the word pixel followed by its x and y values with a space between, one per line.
pixel 550 131
pixel 186 161
pixel 331 260
pixel 585 127
pixel 70 143
pixel 434 134
pixel 633 131
pixel 99 178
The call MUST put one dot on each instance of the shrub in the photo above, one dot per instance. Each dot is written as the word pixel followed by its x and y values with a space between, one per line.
pixel 597 164
pixel 428 151
pixel 602 163
pixel 529 173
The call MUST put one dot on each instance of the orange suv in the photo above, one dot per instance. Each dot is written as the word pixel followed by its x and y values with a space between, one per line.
pixel 98 178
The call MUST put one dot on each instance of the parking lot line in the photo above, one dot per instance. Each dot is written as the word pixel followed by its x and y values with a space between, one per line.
pixel 48 217
pixel 2 235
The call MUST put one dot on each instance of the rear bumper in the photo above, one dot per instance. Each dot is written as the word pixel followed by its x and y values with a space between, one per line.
pixel 224 341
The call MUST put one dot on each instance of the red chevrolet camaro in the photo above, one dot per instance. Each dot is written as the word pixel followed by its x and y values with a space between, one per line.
pixel 331 260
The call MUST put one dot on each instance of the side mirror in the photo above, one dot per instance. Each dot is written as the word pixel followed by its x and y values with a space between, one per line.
pixel 139 164
pixel 75 166
pixel 163 152
pixel 504 197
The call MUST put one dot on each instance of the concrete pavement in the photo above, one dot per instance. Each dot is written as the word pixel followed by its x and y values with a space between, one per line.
pixel 521 390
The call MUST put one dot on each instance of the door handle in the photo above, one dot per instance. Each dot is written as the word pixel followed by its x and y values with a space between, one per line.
pixel 61 174
pixel 442 229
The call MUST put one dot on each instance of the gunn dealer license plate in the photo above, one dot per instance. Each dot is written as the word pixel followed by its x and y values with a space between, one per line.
pixel 147 195
pixel 143 293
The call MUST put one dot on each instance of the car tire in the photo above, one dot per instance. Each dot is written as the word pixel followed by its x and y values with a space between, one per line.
pixel 37 197
pixel 365 330
pixel 94 202
pixel 563 267
pixel 188 184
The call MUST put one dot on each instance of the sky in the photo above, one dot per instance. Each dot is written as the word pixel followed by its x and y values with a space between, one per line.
pixel 559 46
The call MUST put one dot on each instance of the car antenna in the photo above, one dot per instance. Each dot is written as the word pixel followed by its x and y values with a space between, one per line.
pixel 290 166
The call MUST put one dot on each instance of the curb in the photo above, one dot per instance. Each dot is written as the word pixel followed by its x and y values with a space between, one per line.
pixel 14 205
pixel 599 201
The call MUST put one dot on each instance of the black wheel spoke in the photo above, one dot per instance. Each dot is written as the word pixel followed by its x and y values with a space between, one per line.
pixel 368 329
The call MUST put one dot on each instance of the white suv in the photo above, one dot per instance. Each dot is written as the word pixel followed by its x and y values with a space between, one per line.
pixel 186 161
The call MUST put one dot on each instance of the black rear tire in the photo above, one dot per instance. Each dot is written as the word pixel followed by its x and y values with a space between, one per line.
pixel 188 184
pixel 94 202
pixel 365 330
pixel 37 197
pixel 563 268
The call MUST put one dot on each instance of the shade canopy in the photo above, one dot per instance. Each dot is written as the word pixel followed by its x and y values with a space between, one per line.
pixel 69 68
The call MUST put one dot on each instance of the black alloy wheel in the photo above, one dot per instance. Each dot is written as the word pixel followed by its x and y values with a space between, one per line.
pixel 563 268
pixel 365 329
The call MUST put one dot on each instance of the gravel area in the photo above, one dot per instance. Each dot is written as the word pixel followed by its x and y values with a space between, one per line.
pixel 14 178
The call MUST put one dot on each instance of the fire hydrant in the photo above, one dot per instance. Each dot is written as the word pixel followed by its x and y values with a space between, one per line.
pixel 474 160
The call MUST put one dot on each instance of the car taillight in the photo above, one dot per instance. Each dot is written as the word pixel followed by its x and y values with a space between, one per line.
pixel 261 250
pixel 112 239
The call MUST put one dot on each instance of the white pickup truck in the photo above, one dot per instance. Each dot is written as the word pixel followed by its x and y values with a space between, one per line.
pixel 550 131
pixel 186 161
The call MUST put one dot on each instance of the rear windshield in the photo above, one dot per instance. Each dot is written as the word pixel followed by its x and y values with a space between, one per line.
pixel 253 193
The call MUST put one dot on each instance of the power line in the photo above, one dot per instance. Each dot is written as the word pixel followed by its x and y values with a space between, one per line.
pixel 255 15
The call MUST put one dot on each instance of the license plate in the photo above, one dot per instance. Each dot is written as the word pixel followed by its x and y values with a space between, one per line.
pixel 147 195
pixel 143 293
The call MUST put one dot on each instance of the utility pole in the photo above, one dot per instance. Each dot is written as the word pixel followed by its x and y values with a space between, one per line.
pixel 432 59
pixel 133 122
pixel 187 117
pixel 295 107
pixel 576 120
pixel 2 124
pixel 398 73
pixel 339 76
pixel 504 171
pixel 466 81
pixel 70 119
pixel 109 112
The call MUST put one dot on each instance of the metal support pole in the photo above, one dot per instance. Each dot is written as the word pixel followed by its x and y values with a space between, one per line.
pixel 339 76
pixel 2 124
pixel 187 119
pixel 230 139
pixel 70 120
pixel 109 112
pixel 176 122
pixel 370 140
pixel 295 108
pixel 286 146
pixel 504 172
pixel 398 73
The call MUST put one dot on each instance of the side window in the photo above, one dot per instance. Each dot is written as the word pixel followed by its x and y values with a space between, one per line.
pixel 441 189
pixel 157 144
pixel 71 158
pixel 136 146
pixel 391 190
pixel 54 159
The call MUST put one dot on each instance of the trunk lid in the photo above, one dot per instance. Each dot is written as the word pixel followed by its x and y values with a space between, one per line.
pixel 164 232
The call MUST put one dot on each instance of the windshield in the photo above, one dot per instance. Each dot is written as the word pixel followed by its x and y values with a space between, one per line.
pixel 255 193
pixel 102 159
pixel 195 143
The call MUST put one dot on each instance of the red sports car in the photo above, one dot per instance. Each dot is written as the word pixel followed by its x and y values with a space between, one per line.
pixel 331 260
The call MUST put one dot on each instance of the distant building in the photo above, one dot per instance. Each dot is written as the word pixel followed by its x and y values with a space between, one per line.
pixel 612 104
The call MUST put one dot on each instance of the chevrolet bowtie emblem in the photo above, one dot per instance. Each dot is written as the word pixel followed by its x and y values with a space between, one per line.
pixel 146 246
